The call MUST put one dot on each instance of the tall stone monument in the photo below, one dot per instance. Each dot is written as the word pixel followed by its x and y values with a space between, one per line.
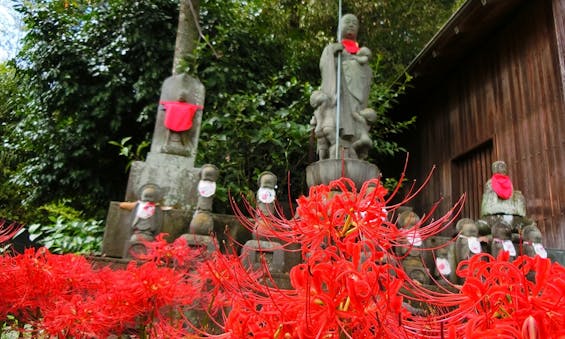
pixel 169 166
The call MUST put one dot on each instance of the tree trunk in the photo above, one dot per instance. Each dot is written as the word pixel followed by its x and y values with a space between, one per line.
pixel 187 31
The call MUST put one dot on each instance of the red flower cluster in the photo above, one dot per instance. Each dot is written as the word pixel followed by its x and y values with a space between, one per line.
pixel 350 284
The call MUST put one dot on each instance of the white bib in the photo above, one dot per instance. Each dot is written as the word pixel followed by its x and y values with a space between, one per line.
pixel 443 266
pixel 540 250
pixel 266 195
pixel 145 210
pixel 206 188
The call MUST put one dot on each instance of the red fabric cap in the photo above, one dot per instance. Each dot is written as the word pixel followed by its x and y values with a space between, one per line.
pixel 179 115
pixel 350 45
pixel 501 185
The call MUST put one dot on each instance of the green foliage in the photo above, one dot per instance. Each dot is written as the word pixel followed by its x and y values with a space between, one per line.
pixel 86 84
pixel 65 231
pixel 129 151
pixel 93 71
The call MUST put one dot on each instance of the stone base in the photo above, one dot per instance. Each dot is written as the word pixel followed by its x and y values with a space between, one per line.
pixel 175 223
pixel 328 170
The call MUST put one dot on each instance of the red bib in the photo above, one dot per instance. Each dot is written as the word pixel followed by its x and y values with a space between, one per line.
pixel 350 45
pixel 501 185
pixel 179 115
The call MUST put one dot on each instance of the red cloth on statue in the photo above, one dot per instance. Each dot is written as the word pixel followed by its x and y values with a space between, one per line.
pixel 501 185
pixel 179 115
pixel 350 45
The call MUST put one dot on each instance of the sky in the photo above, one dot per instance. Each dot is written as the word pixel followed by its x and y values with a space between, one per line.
pixel 10 30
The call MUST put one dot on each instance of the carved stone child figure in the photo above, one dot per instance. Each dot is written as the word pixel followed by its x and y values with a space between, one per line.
pixel 147 219
pixel 409 250
pixel 202 222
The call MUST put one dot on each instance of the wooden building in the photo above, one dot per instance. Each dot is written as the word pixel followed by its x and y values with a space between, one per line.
pixel 490 86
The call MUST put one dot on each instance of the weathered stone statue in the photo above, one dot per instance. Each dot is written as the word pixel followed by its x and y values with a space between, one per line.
pixel 266 195
pixel 501 201
pixel 202 222
pixel 410 252
pixel 532 242
pixel 146 219
pixel 467 243
pixel 355 77
pixel 178 119
pixel 502 239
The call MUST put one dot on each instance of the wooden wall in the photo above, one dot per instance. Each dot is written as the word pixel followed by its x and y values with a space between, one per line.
pixel 502 101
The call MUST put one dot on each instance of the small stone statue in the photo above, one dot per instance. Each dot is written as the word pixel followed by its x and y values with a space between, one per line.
pixel 467 243
pixel 410 251
pixel 266 195
pixel 202 222
pixel 355 82
pixel 147 218
pixel 502 239
pixel 531 242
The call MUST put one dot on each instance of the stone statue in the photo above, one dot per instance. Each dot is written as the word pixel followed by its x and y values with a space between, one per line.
pixel 147 218
pixel 266 195
pixel 202 222
pixel 501 201
pixel 179 116
pixel 531 242
pixel 502 239
pixel 355 82
pixel 468 242
pixel 410 252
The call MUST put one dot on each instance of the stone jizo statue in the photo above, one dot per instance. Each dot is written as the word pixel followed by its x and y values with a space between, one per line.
pixel 468 242
pixel 501 200
pixel 355 82
pixel 532 242
pixel 202 222
pixel 266 196
pixel 146 218
pixel 502 239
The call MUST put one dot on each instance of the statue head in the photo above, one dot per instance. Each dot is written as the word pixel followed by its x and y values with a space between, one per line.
pixel 499 167
pixel 267 180
pixel 150 193
pixel 349 27
pixel 209 172
pixel 407 219
pixel 467 227
pixel 532 233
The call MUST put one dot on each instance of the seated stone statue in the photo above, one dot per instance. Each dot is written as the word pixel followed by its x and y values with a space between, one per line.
pixel 501 201
pixel 266 195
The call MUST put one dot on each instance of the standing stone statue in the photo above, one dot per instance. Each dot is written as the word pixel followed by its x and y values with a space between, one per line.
pixel 266 195
pixel 355 77
pixel 202 222
pixel 146 219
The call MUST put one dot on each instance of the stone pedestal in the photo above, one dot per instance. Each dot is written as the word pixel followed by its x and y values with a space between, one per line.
pixel 328 170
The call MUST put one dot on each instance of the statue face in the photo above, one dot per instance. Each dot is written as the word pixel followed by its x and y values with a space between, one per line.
pixel 149 194
pixel 499 167
pixel 349 27
pixel 470 230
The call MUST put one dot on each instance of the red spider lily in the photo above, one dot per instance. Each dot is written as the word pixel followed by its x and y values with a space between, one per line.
pixel 162 252
pixel 9 231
